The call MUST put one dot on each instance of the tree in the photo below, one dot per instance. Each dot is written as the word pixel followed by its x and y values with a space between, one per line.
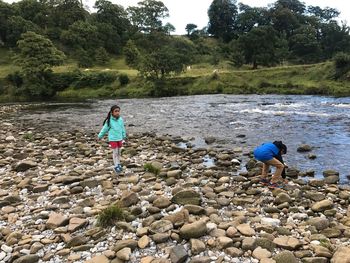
pixel 157 55
pixel 168 28
pixel 132 54
pixel 190 28
pixel 324 15
pixel 285 21
pixel 112 15
pixel 37 55
pixel 81 35
pixel 304 45
pixel 334 39
pixel 17 25
pixel 148 15
pixel 34 11
pixel 259 46
pixel 250 17
pixel 109 38
pixel 101 56
pixel 222 17
pixel 294 6
pixel 66 12
pixel 6 11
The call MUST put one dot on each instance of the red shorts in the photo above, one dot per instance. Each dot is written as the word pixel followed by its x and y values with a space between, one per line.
pixel 117 144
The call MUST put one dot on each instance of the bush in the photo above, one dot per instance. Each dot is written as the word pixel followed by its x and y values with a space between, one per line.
pixel 15 78
pixel 110 215
pixel 124 79
pixel 98 79
pixel 85 62
pixel 61 81
pixel 342 64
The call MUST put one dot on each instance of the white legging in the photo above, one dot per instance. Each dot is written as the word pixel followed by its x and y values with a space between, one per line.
pixel 116 156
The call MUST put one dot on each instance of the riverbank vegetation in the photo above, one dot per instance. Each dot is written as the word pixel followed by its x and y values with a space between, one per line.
pixel 285 48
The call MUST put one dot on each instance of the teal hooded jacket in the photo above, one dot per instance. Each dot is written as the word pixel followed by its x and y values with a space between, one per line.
pixel 116 130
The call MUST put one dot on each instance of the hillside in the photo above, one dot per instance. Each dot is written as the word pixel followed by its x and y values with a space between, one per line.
pixel 201 78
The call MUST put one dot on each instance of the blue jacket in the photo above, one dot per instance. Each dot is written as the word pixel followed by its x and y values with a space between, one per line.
pixel 116 130
pixel 265 152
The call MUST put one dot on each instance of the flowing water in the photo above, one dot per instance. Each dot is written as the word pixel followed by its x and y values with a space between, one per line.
pixel 234 120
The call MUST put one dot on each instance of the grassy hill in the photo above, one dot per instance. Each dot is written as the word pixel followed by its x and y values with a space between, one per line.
pixel 202 79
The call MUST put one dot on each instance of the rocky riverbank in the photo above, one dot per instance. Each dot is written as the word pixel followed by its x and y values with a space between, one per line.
pixel 54 186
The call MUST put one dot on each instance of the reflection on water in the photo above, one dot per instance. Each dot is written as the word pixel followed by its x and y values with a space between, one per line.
pixel 321 122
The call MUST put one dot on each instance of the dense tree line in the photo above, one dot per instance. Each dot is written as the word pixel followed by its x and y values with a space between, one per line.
pixel 42 33
pixel 285 31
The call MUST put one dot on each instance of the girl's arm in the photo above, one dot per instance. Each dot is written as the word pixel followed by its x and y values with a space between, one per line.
pixel 123 129
pixel 103 131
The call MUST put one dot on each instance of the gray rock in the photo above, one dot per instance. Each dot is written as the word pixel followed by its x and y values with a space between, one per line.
pixel 314 260
pixel 25 165
pixel 322 205
pixel 187 197
pixel 161 226
pixel 319 222
pixel 341 255
pixel 193 230
pixel 125 243
pixel 27 259
pixel 285 257
pixel 178 254
pixel 304 148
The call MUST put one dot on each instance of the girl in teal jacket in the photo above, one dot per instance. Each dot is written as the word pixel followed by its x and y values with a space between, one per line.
pixel 114 125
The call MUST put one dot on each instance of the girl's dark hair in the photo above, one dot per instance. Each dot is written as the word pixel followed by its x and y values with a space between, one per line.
pixel 280 146
pixel 108 118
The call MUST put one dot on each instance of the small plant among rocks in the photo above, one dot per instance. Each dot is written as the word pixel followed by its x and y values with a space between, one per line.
pixel 325 243
pixel 29 136
pixel 110 215
pixel 151 168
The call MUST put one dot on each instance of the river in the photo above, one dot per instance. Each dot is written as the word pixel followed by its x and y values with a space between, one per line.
pixel 234 120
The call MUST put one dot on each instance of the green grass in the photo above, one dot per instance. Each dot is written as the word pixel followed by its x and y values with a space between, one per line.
pixel 110 215
pixel 315 79
pixel 28 136
pixel 151 169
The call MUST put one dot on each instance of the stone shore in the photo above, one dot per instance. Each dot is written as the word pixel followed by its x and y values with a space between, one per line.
pixel 53 186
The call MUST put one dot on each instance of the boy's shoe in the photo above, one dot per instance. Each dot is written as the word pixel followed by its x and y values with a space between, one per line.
pixel 276 185
pixel 264 181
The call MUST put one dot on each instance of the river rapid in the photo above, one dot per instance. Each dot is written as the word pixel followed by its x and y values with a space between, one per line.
pixel 234 120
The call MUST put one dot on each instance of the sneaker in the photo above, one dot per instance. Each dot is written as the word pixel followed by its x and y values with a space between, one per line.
pixel 276 185
pixel 117 169
pixel 120 167
pixel 264 181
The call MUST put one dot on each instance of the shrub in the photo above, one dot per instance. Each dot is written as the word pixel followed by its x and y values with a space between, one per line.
pixel 110 215
pixel 342 64
pixel 151 169
pixel 15 78
pixel 124 79
pixel 85 62
pixel 93 80
pixel 101 56
pixel 29 136
pixel 61 81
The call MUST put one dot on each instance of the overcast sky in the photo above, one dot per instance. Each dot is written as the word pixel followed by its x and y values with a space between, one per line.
pixel 183 12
